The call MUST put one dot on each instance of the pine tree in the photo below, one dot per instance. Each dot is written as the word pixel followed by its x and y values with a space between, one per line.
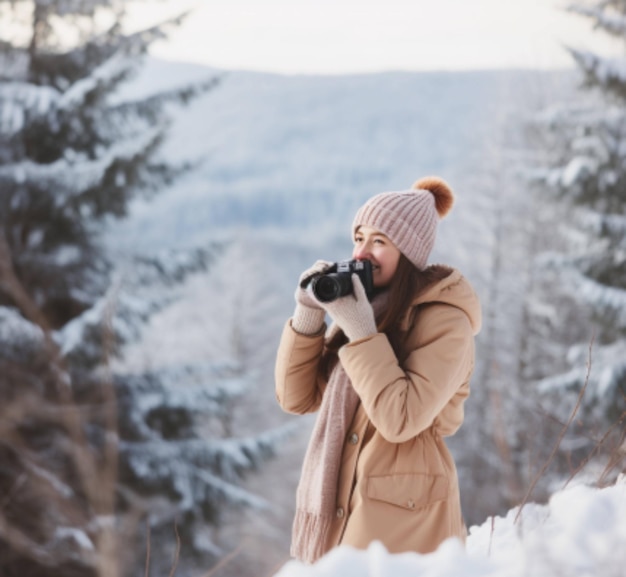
pixel 74 469
pixel 70 160
pixel 181 456
pixel 585 275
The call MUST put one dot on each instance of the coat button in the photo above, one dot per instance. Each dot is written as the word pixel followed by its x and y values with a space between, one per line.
pixel 354 439
pixel 410 504
pixel 339 512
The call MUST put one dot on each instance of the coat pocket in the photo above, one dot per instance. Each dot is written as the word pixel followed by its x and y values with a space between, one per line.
pixel 410 491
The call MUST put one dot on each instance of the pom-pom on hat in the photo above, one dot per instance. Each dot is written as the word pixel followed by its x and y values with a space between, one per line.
pixel 409 218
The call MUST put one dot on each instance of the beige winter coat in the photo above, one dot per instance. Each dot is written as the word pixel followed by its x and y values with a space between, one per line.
pixel 398 483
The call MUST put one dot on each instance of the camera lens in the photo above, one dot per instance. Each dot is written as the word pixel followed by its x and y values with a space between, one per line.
pixel 329 287
pixel 325 288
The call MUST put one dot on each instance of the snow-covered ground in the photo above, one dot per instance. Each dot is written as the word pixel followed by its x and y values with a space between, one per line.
pixel 581 532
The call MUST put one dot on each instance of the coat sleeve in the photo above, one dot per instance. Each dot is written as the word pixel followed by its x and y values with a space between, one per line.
pixel 402 401
pixel 299 387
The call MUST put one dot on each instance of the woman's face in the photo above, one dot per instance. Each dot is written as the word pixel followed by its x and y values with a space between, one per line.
pixel 372 245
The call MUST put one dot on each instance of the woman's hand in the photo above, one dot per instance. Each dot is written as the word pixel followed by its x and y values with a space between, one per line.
pixel 308 318
pixel 303 295
pixel 353 313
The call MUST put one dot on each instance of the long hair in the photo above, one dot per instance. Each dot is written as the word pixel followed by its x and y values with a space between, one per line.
pixel 407 282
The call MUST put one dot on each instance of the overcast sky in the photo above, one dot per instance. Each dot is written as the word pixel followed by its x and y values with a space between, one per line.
pixel 351 36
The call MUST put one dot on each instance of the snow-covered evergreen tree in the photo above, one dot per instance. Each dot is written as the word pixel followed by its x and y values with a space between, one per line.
pixel 490 450
pixel 77 473
pixel 181 455
pixel 68 158
pixel 223 330
pixel 584 281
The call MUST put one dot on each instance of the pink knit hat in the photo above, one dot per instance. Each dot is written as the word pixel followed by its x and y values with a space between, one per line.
pixel 409 218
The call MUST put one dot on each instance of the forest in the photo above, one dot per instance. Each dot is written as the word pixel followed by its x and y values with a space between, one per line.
pixel 154 219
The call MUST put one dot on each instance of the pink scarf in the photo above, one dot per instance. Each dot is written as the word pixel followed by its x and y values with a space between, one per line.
pixel 316 497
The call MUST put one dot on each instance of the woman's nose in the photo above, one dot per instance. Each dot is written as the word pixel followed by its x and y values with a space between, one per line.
pixel 360 252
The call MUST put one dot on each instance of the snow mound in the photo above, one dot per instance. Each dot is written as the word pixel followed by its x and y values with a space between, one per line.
pixel 581 532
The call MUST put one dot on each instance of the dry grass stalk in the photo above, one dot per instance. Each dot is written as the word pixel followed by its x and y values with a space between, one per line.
pixel 148 545
pixel 503 447
pixel 616 455
pixel 224 561
pixel 177 552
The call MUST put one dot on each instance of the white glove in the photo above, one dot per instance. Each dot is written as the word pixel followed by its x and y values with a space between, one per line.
pixel 353 313
pixel 308 318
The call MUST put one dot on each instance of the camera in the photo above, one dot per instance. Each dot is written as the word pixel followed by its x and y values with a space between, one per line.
pixel 336 281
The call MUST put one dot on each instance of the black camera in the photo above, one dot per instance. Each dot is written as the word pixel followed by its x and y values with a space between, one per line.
pixel 336 281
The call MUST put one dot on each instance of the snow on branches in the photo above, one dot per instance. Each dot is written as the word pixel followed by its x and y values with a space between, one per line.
pixel 605 16
pixel 583 274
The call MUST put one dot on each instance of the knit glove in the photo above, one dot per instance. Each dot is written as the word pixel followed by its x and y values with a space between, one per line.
pixel 308 318
pixel 353 313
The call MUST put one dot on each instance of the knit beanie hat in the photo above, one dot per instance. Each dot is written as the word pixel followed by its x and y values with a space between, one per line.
pixel 409 218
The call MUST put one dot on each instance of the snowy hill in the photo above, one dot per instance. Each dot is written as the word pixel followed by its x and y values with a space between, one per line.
pixel 299 151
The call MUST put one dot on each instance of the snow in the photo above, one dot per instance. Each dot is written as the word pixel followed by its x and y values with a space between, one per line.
pixel 19 98
pixel 606 70
pixel 233 493
pixel 613 23
pixel 139 288
pixel 614 224
pixel 76 535
pixel 18 337
pixel 569 380
pixel 603 297
pixel 53 480
pixel 578 168
pixel 76 94
pixel 610 378
pixel 69 178
pixel 376 561
pixel 581 532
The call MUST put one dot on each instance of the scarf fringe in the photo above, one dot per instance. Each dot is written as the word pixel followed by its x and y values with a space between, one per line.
pixel 310 535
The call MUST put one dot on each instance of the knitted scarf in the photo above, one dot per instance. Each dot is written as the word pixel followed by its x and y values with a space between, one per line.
pixel 316 497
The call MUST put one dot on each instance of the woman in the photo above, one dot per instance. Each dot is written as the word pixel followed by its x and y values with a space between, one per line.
pixel 389 379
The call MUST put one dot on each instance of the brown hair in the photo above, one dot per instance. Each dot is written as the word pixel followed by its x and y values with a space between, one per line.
pixel 407 282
